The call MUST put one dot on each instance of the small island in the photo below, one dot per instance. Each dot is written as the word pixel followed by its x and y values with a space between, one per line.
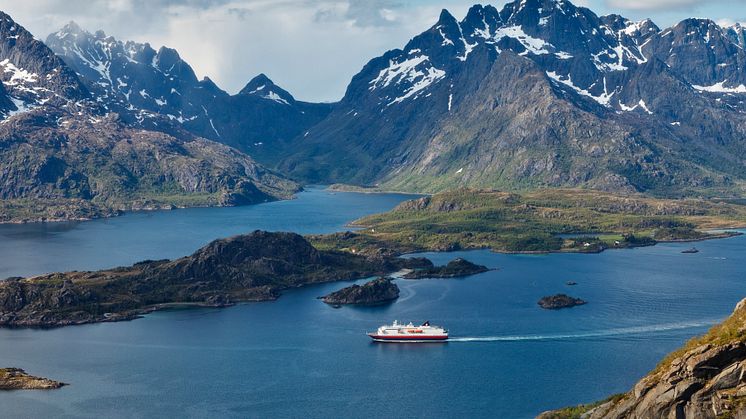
pixel 377 291
pixel 455 268
pixel 559 301
pixel 18 379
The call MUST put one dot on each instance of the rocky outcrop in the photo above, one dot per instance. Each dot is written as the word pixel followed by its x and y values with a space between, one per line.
pixel 251 267
pixel 18 379
pixel 377 291
pixel 456 268
pixel 558 301
pixel 704 379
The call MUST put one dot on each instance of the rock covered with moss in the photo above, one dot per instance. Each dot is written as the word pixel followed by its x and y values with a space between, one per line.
pixel 250 267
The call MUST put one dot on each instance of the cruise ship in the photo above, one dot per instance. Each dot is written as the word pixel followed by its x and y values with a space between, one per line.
pixel 409 333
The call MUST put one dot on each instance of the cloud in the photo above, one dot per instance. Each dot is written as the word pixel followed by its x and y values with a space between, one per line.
pixel 664 5
pixel 311 47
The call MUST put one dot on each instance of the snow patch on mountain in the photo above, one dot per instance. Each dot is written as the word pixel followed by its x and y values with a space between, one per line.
pixel 275 97
pixel 416 73
pixel 721 88
pixel 603 99
pixel 533 45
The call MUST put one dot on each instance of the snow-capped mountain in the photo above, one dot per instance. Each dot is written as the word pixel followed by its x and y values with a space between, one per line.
pixel 31 74
pixel 66 154
pixel 538 93
pixel 132 78
pixel 641 101
pixel 261 86
pixel 145 86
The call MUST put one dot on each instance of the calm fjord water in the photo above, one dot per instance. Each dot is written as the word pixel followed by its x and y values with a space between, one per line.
pixel 297 357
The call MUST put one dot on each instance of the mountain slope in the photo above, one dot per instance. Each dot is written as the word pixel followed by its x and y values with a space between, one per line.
pixel 64 155
pixel 146 86
pixel 588 101
pixel 31 74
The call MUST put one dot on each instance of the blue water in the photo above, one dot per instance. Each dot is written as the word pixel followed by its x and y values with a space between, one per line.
pixel 297 357
pixel 31 249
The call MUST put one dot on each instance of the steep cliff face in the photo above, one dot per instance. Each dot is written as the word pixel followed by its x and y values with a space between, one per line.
pixel 704 379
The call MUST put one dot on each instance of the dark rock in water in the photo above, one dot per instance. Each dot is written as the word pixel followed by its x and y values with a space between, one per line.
pixel 18 379
pixel 455 268
pixel 571 283
pixel 558 301
pixel 377 291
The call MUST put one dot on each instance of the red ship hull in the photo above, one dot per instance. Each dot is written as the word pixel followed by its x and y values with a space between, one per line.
pixel 399 338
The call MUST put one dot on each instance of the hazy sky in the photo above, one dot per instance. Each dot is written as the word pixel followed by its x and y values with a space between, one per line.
pixel 310 47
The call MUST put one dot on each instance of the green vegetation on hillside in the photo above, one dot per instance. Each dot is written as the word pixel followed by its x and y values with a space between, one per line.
pixel 576 412
pixel 536 222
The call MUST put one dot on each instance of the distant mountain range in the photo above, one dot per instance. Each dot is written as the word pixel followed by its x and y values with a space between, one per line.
pixel 538 94
pixel 145 86
pixel 65 155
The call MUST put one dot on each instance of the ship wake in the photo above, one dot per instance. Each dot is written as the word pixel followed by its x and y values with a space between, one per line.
pixel 622 331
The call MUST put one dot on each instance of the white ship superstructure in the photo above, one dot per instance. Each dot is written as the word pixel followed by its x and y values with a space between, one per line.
pixel 409 333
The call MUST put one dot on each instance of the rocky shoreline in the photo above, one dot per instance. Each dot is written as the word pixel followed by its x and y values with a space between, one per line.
pixel 18 379
pixel 377 291
pixel 89 212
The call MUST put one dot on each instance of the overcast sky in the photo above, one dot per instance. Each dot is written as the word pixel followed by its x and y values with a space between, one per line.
pixel 310 47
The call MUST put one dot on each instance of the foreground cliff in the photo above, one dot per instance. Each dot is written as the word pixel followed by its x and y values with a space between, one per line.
pixel 252 267
pixel 704 379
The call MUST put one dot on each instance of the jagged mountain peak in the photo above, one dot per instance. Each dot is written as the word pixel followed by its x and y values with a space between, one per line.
pixel 737 34
pixel 445 18
pixel 159 90
pixel 71 28
pixel 32 75
pixel 262 86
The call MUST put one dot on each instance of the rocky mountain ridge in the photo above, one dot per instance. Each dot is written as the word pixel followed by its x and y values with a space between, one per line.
pixel 541 93
pixel 158 89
